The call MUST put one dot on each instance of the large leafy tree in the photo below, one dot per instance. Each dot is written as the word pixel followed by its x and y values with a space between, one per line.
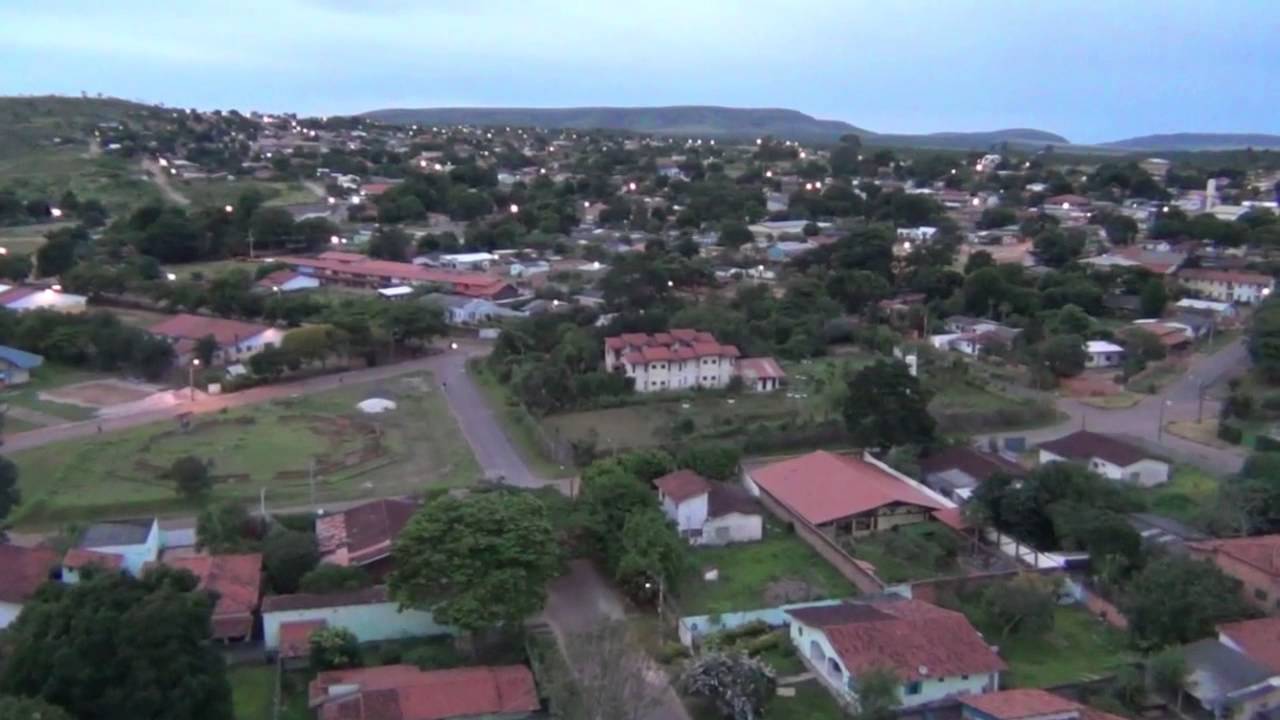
pixel 1264 339
pixel 650 551
pixel 10 496
pixel 736 683
pixel 287 556
pixel 886 406
pixel 477 563
pixel 115 647
pixel 1176 599
pixel 22 708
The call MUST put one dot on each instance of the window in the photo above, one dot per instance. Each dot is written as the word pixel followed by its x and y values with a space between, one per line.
pixel 964 677
pixel 1260 594
pixel 862 523
pixel 913 688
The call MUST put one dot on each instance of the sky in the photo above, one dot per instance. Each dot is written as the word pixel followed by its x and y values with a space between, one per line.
pixel 1091 70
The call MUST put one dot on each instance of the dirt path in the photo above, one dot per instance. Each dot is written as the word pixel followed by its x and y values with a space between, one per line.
pixel 161 179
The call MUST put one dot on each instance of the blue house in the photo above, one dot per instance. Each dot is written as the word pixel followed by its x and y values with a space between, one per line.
pixel 16 365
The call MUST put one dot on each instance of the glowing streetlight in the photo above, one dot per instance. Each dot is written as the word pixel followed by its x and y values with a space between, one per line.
pixel 56 288
pixel 334 239
pixel 514 208
pixel 453 346
pixel 4 251
pixel 55 212
pixel 632 187
pixel 671 283
pixel 170 276
pixel 229 209
pixel 422 163
pixel 332 201
pixel 759 141
pixel 802 155
pixel 191 377
pixel 768 173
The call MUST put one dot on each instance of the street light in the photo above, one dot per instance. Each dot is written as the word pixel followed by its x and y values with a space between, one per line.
pixel 191 377
pixel 229 209
pixel 648 585
pixel 1160 420
pixel 4 251
pixel 453 346
pixel 170 276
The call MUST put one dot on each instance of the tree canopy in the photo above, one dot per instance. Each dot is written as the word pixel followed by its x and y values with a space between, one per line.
pixel 887 406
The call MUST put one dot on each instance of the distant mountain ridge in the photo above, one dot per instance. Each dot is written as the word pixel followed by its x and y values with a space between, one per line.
pixel 1174 142
pixel 705 121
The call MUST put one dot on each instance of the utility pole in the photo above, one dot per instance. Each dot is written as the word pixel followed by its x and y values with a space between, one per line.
pixel 1200 403
pixel 262 502
pixel 311 479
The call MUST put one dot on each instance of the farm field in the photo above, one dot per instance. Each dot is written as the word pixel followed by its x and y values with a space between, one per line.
pixel 273 445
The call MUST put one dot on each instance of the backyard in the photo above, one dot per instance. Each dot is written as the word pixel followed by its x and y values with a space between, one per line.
pixel 270 446
pixel 1078 648
pixel 812 701
pixel 252 691
pixel 779 569
pixel 909 553
pixel 1187 496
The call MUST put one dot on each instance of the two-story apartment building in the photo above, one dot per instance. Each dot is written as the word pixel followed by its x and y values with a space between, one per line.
pixel 1228 285
pixel 681 359
pixel 935 653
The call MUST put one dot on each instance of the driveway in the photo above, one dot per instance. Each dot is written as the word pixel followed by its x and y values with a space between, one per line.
pixel 1179 400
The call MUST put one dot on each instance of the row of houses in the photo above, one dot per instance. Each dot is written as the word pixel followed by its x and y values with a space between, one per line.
pixel 685 359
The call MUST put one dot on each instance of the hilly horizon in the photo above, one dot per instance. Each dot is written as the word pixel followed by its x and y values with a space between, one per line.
pixel 717 121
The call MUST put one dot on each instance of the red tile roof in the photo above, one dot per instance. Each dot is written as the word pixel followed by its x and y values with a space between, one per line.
pixel 194 327
pixel 403 692
pixel 1238 277
pixel 1261 552
pixel 916 640
pixel 277 278
pixel 682 485
pixel 23 570
pixel 822 486
pixel 678 344
pixel 1259 639
pixel 761 368
pixel 237 581
pixel 653 353
pixel 1083 445
pixel 295 637
pixel 463 283
pixel 1020 704
pixel 364 533
pixel 77 558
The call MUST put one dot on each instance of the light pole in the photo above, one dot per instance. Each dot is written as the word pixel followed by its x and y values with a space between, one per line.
pixel 191 377
pixel 648 585
pixel 1160 421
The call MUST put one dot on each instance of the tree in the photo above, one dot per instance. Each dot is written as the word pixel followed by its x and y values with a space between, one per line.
pixel 272 227
pixel 313 343
pixel 997 217
pixel 390 243
pixel 413 322
pixel 326 578
pixel 477 563
pixel 10 495
pixel 1056 248
pixel 1168 673
pixel 205 348
pixel 610 494
pixel 1176 599
pixel 878 694
pixel 287 556
pixel 1064 355
pixel 334 648
pixel 737 684
pixel 1153 298
pixel 22 708
pixel 226 528
pixel 650 552
pixel 886 406
pixel 734 235
pixel 116 647
pixel 191 476
pixel 1023 606
pixel 1264 339
pixel 718 462
pixel 58 254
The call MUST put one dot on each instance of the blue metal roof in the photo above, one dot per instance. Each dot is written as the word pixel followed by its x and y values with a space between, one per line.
pixel 20 358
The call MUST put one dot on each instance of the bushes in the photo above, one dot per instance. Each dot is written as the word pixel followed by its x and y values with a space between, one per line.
pixel 1265 443
pixel 1230 433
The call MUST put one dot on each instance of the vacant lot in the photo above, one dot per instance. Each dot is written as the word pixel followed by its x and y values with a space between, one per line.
pixel 48 378
pixel 759 575
pixel 1080 647
pixel 270 446
pixel 99 393
pixel 812 701
pixel 51 171
pixel 909 553
pixel 208 270
pixel 227 192
pixel 26 239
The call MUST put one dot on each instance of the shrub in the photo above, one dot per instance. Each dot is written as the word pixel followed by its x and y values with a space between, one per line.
pixel 434 655
pixel 1266 443
pixel 1230 433
pixel 671 652
pixel 765 643
pixel 334 648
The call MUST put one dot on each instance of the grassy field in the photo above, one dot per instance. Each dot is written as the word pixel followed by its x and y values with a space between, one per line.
pixel 748 569
pixel 49 172
pixel 1189 492
pixel 252 691
pixel 47 377
pixel 224 192
pixel 114 473
pixel 139 318
pixel 811 702
pixel 26 239
pixel 207 270
pixel 1079 647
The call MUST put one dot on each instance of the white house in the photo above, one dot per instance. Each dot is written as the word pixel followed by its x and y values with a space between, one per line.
pixel 707 512
pixel 1222 310
pixel 23 299
pixel 236 340
pixel 287 281
pixel 923 233
pixel 469 261
pixel 1108 456
pixel 461 310
pixel 1228 285
pixel 676 360
pixel 370 614
pixel 935 653
pixel 1102 354
pixel 136 542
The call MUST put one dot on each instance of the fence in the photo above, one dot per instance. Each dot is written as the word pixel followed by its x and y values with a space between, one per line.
pixel 693 627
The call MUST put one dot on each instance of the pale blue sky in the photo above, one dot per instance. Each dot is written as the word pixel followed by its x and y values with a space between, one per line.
pixel 1092 70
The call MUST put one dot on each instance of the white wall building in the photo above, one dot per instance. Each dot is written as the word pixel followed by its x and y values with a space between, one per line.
pixel 1107 456
pixel 370 614
pixel 707 512
pixel 1102 354
pixel 1228 285
pixel 676 360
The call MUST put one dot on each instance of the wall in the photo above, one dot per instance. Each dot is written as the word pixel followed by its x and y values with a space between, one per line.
pixel 376 621
pixel 695 626
pixel 8 613
pixel 135 556
pixel 1150 472
pixel 689 515
pixel 741 528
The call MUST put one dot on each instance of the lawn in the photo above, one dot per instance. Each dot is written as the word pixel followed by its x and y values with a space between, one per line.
pixel 252 691
pixel 26 239
pixel 48 377
pixel 1189 492
pixel 747 570
pixel 207 270
pixel 46 171
pixel 909 553
pixel 228 192
pixel 1155 377
pixel 1079 647
pixel 272 444
pixel 812 701
pixel 139 318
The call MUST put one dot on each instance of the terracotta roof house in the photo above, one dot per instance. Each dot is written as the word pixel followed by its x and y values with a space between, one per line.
pixel 78 559
pixel 708 512
pixel 25 298
pixel 236 340
pixel 935 653
pixel 236 580
pixel 22 571
pixel 1259 639
pixel 1108 456
pixel 680 359
pixel 403 692
pixel 840 495
pixel 1027 704
pixel 761 374
pixel 362 536
pixel 1254 561
pixel 361 271
pixel 956 471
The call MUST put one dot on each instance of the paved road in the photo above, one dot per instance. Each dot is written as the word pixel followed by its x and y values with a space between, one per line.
pixel 1180 400
pixel 581 600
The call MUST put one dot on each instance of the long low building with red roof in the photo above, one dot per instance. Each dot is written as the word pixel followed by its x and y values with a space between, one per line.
pixel 841 495
pixel 237 340
pixel 353 269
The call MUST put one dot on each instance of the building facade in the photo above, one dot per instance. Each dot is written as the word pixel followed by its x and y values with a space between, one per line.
pixel 677 360
pixel 1228 285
